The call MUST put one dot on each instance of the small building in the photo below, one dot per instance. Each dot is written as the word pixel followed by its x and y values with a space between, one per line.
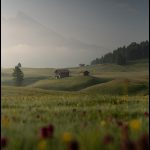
pixel 86 73
pixel 61 73
pixel 81 65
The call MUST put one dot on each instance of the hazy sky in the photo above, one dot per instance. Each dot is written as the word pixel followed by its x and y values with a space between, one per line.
pixel 64 33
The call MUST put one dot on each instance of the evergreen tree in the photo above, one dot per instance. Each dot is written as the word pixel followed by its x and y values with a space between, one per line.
pixel 19 64
pixel 121 60
pixel 18 75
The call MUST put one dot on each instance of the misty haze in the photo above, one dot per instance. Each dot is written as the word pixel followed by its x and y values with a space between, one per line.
pixel 75 75
pixel 66 33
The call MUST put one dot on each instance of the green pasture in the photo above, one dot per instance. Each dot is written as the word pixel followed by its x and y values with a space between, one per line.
pixel 86 108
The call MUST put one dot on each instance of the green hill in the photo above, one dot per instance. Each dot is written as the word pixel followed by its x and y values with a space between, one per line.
pixel 68 84
pixel 104 78
pixel 120 87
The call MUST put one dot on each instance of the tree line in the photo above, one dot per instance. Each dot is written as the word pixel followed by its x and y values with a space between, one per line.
pixel 124 54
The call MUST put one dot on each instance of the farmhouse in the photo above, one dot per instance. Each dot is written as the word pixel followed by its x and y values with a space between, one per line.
pixel 81 65
pixel 86 73
pixel 61 73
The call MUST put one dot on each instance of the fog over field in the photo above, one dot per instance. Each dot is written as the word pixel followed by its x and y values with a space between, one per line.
pixel 33 42
pixel 75 75
pixel 64 33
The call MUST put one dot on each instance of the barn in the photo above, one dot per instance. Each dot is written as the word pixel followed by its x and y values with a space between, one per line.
pixel 81 65
pixel 61 73
pixel 86 73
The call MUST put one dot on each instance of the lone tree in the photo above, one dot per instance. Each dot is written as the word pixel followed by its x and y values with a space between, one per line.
pixel 19 64
pixel 18 75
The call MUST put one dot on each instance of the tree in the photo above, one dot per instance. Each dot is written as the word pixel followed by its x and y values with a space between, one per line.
pixel 18 75
pixel 121 60
pixel 123 55
pixel 19 64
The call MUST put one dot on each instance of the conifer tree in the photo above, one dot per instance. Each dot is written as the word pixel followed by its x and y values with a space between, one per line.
pixel 18 75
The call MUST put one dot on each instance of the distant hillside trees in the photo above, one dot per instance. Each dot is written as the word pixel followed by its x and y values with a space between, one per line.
pixel 124 54
pixel 18 75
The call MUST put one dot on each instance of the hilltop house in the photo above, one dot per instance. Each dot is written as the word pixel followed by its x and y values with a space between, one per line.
pixel 86 73
pixel 81 65
pixel 61 73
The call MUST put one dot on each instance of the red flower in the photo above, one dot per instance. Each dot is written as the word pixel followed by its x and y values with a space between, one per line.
pixel 143 142
pixel 50 130
pixel 146 114
pixel 73 145
pixel 3 142
pixel 125 131
pixel 119 123
pixel 44 133
pixel 47 131
pixel 128 145
pixel 108 139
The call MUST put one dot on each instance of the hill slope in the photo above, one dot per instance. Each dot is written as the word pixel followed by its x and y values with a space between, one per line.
pixel 105 78
pixel 119 87
pixel 68 84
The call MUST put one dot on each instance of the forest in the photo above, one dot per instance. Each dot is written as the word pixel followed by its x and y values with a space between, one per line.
pixel 123 55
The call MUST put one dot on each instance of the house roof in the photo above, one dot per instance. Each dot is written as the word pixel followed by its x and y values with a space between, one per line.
pixel 86 71
pixel 61 70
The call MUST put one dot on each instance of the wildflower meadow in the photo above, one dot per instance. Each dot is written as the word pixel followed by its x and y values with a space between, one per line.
pixel 108 110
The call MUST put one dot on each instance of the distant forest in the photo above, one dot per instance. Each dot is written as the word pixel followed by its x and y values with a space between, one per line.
pixel 124 54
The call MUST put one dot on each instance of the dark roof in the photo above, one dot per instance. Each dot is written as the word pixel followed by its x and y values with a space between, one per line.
pixel 86 71
pixel 82 64
pixel 61 70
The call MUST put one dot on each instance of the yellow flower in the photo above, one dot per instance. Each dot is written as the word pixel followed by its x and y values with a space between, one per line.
pixel 42 145
pixel 135 124
pixel 5 121
pixel 103 123
pixel 67 137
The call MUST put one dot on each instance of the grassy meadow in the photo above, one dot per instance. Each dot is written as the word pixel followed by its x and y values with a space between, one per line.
pixel 107 110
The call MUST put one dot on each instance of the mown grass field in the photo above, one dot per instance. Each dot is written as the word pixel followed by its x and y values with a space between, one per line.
pixel 108 110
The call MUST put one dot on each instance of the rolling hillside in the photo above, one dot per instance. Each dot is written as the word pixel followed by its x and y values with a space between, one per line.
pixel 88 108
pixel 119 87
pixel 104 78
pixel 68 84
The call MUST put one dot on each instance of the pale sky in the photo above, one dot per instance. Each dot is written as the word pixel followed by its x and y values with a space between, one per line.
pixel 65 33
